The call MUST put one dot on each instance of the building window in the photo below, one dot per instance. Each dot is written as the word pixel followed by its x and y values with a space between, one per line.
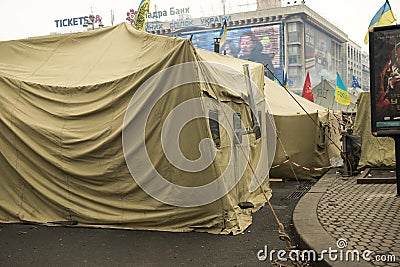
pixel 294 49
pixel 293 37
pixel 293 32
pixel 293 71
pixel 294 59
pixel 294 74
pixel 292 27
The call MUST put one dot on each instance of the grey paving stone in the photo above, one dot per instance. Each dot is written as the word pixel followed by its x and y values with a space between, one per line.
pixel 367 215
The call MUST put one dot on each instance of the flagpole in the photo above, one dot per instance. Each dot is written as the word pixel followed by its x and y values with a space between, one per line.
pixel 337 103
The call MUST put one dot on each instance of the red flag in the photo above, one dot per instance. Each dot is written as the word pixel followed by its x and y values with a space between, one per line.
pixel 307 89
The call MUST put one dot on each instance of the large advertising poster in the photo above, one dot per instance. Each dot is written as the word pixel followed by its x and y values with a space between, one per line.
pixel 261 44
pixel 385 80
pixel 318 54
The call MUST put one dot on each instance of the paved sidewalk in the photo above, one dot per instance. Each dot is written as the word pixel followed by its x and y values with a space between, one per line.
pixel 353 219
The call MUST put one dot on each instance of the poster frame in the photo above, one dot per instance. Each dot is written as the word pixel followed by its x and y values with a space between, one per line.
pixel 385 101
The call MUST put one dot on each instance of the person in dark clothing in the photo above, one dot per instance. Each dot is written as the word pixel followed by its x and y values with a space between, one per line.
pixel 251 49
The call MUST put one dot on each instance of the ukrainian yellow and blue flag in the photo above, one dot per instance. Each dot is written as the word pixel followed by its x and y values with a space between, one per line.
pixel 383 17
pixel 222 34
pixel 140 18
pixel 341 94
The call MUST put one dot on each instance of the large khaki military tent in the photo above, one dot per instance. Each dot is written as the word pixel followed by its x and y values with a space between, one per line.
pixel 324 95
pixel 375 151
pixel 96 131
pixel 308 135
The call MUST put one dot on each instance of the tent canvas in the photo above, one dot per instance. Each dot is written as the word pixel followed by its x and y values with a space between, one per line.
pixel 324 95
pixel 72 147
pixel 375 151
pixel 307 143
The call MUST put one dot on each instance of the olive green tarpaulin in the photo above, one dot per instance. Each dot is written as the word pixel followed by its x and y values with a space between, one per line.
pixel 63 102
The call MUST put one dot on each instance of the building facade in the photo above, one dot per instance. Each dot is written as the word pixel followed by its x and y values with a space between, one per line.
pixel 295 38
pixel 365 73
pixel 353 62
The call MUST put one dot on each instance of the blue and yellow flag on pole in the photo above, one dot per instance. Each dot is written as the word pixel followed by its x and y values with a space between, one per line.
pixel 341 94
pixel 222 34
pixel 355 83
pixel 383 17
pixel 285 80
pixel 140 18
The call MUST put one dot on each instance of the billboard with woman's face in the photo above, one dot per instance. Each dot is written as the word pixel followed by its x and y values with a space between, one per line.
pixel 262 44
pixel 385 80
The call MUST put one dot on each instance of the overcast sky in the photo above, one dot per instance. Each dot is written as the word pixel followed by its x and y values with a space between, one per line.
pixel 27 18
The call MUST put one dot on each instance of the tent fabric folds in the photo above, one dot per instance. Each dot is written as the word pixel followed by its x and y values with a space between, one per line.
pixel 308 135
pixel 64 109
pixel 375 151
